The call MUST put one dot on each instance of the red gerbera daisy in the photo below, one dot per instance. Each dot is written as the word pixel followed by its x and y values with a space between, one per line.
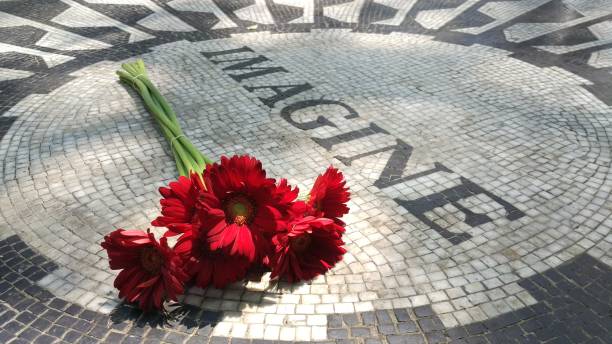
pixel 309 247
pixel 209 267
pixel 285 194
pixel 329 195
pixel 179 205
pixel 240 206
pixel 151 270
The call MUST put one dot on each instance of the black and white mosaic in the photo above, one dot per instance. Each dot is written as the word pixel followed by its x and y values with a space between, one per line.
pixel 475 136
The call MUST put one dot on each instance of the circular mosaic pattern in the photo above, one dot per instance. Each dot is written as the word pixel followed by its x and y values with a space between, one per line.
pixel 524 150
pixel 474 137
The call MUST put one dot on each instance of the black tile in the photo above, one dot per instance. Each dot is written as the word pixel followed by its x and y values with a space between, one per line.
pixel 56 331
pixel 402 314
pixel 475 328
pixel 334 321
pixel 560 340
pixel 26 317
pixel 114 337
pixel 119 326
pixel 383 317
pixel 131 339
pixel 12 297
pixel 41 324
pixel 4 286
pixel 5 336
pixel 66 320
pixel 13 326
pixel 58 304
pixel 373 341
pixel 406 339
pixel 74 309
pixel 72 336
pixel 87 340
pixel 457 332
pixel 52 315
pixel 29 334
pixel 386 329
pixel 6 316
pixel 346 341
pixel 478 340
pixel 37 308
pixel 88 315
pixel 98 332
pixel 81 326
pixel 337 333
pixel 423 311
pixel 407 327
pixel 368 318
pixel 501 321
pixel 156 333
pixel 22 284
pixel 45 339
pixel 350 319
pixel 360 331
pixel 430 324
pixel 139 330
pixel 435 337
pixel 25 304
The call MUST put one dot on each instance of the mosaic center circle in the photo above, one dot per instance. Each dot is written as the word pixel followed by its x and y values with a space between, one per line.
pixel 464 172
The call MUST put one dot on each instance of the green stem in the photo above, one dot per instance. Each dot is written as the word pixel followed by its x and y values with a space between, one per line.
pixel 195 154
pixel 171 131
pixel 188 157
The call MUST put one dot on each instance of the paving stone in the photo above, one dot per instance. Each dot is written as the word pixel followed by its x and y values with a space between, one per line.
pixel 175 338
pixel 114 337
pixel 337 333
pixel 401 315
pixel 423 311
pixel 406 339
pixel 360 332
pixel 350 319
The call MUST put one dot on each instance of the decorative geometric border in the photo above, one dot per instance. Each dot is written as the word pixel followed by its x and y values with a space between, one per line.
pixel 575 62
pixel 576 295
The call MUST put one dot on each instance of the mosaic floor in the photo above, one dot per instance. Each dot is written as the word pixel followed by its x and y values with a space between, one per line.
pixel 475 136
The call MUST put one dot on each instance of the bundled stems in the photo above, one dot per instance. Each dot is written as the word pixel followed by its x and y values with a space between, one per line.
pixel 188 158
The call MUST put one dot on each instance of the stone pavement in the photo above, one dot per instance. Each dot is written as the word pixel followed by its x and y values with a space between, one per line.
pixel 475 136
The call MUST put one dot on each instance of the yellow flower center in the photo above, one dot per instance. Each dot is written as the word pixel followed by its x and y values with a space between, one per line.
pixel 239 210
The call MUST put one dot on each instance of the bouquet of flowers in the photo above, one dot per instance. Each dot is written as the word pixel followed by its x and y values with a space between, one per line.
pixel 228 216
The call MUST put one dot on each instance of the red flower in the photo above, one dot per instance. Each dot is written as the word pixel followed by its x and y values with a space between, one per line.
pixel 240 206
pixel 329 195
pixel 151 270
pixel 285 195
pixel 179 205
pixel 206 266
pixel 309 247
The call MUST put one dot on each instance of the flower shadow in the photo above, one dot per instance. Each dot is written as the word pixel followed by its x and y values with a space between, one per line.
pixel 178 318
pixel 182 319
